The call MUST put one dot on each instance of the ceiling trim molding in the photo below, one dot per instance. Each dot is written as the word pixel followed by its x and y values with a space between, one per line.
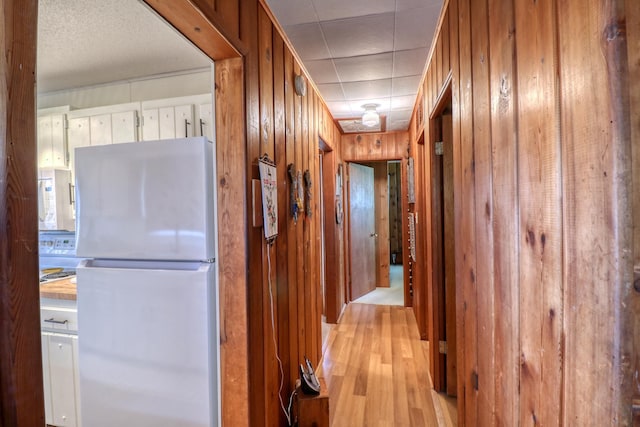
pixel 187 18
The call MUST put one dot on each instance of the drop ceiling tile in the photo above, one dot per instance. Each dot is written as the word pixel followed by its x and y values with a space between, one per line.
pixel 384 104
pixel 402 102
pixel 405 85
pixel 399 119
pixel 331 92
pixel 400 114
pixel 409 62
pixel 397 125
pixel 287 15
pixel 367 89
pixel 329 10
pixel 401 4
pixel 369 67
pixel 322 71
pixel 341 109
pixel 308 41
pixel 415 28
pixel 415 4
pixel 363 35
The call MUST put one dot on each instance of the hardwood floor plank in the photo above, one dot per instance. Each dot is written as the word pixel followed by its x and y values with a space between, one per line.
pixel 376 369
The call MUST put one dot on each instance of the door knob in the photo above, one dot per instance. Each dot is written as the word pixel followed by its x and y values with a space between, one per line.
pixel 373 235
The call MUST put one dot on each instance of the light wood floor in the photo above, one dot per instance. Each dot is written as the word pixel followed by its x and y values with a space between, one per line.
pixel 377 371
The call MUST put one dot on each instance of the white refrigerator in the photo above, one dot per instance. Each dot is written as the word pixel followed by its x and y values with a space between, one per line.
pixel 148 330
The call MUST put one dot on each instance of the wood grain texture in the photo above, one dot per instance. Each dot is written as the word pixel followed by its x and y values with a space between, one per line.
pixel 449 256
pixel 281 285
pixel 256 267
pixel 60 289
pixel 197 25
pixel 597 246
pixel 540 225
pixel 454 63
pixel 266 146
pixel 374 146
pixel 230 154
pixel 21 387
pixel 292 260
pixel 482 164
pixel 504 209
pixel 422 276
pixel 381 191
pixel 433 236
pixel 362 214
pixel 464 183
pixel 633 49
pixel 395 221
pixel 375 366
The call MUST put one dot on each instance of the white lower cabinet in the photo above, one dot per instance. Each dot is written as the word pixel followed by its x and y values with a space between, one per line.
pixel 60 366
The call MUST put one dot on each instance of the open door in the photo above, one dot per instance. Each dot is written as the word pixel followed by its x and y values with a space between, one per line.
pixel 362 233
pixel 443 351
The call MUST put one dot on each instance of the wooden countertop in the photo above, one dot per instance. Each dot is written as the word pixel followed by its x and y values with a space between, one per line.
pixel 60 289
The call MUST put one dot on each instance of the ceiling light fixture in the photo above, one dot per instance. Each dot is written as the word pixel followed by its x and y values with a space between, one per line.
pixel 370 118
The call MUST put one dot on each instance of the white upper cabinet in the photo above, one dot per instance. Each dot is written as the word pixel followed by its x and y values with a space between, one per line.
pixel 101 129
pixel 205 126
pixel 79 135
pixel 52 141
pixel 124 127
pixel 180 117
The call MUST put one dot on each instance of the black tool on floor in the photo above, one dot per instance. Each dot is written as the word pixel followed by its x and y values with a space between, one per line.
pixel 308 381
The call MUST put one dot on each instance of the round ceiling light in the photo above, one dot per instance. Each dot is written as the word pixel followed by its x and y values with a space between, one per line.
pixel 370 117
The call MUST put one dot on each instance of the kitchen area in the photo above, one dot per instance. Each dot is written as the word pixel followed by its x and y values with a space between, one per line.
pixel 127 236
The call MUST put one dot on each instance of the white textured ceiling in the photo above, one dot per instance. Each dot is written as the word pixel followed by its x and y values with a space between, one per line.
pixel 90 42
pixel 356 51
pixel 362 51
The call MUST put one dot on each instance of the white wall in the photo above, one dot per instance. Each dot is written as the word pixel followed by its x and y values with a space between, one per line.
pixel 143 89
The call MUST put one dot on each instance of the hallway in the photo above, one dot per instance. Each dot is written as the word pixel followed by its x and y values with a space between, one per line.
pixel 393 295
pixel 376 369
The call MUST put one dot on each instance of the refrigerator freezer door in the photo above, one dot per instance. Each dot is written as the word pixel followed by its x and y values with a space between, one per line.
pixel 148 345
pixel 146 200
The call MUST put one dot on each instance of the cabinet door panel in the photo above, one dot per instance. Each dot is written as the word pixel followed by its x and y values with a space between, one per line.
pixel 58 141
pixel 101 129
pixel 167 122
pixel 123 127
pixel 62 358
pixel 79 135
pixel 150 125
pixel 184 121
pixel 206 121
pixel 45 152
pixel 46 379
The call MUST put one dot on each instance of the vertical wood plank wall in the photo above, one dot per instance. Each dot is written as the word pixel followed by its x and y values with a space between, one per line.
pixel 285 126
pixel 546 125
pixel 21 390
pixel 395 214
pixel 633 328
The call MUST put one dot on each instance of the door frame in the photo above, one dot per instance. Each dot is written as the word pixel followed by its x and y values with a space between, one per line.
pixel 436 307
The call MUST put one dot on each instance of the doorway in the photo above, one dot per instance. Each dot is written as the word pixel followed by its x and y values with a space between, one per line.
pixel 382 189
pixel 443 349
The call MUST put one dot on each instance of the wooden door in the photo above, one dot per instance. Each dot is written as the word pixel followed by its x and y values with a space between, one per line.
pixel 362 230
pixel 443 352
pixel 449 255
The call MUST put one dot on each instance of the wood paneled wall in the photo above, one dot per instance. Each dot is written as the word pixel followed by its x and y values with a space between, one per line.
pixel 545 114
pixel 21 389
pixel 395 212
